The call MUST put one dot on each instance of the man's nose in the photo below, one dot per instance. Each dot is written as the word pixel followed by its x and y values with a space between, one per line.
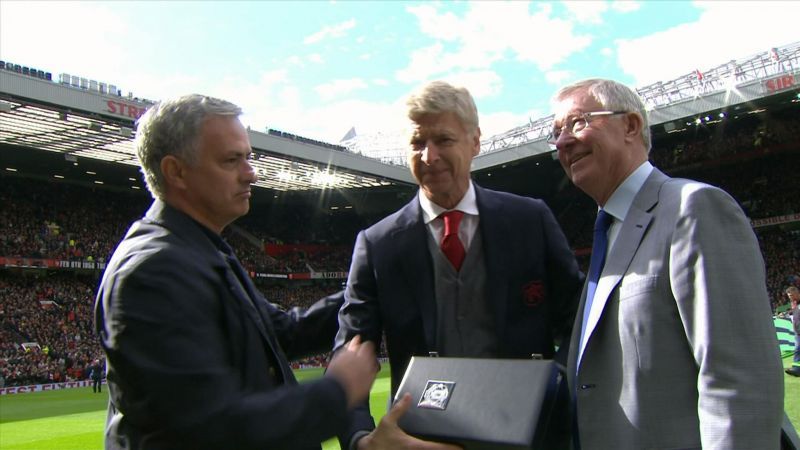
pixel 563 140
pixel 430 154
pixel 250 175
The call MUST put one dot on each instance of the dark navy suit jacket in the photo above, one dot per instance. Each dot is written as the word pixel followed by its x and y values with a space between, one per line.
pixel 533 284
pixel 192 362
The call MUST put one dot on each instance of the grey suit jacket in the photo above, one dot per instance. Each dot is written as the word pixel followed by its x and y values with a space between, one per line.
pixel 684 354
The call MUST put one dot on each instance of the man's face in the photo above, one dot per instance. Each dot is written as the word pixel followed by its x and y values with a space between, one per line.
pixel 218 183
pixel 441 156
pixel 596 159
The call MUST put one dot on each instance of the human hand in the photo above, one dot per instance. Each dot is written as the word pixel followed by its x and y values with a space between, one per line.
pixel 388 435
pixel 355 366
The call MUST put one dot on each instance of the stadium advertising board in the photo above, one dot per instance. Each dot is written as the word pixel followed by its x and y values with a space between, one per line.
pixel 775 220
pixel 124 109
pixel 40 263
pixel 45 387
pixel 781 83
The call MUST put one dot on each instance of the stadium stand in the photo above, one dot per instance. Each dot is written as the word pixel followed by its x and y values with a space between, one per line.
pixel 756 163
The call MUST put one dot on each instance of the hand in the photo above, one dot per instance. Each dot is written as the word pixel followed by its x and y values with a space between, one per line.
pixel 389 436
pixel 355 366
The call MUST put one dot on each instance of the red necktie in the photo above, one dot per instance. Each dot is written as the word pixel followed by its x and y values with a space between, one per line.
pixel 451 244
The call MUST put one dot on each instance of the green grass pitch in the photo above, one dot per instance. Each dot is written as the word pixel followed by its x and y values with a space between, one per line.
pixel 73 419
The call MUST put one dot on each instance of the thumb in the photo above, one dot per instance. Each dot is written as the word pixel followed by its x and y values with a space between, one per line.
pixel 354 343
pixel 399 408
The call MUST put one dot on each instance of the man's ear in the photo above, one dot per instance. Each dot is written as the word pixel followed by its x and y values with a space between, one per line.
pixel 173 170
pixel 477 142
pixel 633 127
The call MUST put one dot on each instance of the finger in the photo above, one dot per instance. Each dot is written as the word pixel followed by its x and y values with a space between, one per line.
pixel 399 408
pixel 354 343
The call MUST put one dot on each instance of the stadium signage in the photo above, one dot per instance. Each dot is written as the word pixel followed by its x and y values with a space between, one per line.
pixel 44 387
pixel 777 220
pixel 40 263
pixel 780 83
pixel 125 109
pixel 329 275
pixel 270 275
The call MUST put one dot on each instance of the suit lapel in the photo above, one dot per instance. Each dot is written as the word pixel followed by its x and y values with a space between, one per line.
pixel 410 240
pixel 627 243
pixel 247 298
pixel 254 304
pixel 491 226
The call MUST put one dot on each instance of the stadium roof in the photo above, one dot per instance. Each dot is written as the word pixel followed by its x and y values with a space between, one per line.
pixel 81 122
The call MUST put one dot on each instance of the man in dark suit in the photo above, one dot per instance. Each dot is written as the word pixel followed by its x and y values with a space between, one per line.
pixel 197 358
pixel 501 282
pixel 676 347
pixel 96 375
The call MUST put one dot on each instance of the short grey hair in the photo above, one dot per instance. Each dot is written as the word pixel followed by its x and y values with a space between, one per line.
pixel 172 127
pixel 439 97
pixel 614 96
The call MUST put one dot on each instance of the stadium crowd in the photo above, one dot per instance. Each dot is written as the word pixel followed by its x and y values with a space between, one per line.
pixel 50 312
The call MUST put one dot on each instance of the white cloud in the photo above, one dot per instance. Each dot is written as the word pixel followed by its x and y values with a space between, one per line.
pixel 607 52
pixel 337 88
pixel 481 84
pixel 724 31
pixel 588 11
pixel 424 62
pixel 559 77
pixel 380 82
pixel 489 32
pixel 625 6
pixel 330 31
pixel 365 56
pixel 315 58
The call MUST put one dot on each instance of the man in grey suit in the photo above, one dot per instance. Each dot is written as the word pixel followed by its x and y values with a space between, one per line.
pixel 197 358
pixel 676 349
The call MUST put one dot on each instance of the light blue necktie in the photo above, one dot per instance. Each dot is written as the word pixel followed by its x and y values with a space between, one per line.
pixel 599 247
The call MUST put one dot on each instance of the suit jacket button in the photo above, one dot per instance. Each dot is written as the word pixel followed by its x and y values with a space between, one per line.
pixel 587 386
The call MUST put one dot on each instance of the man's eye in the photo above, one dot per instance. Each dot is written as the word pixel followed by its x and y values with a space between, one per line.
pixel 578 124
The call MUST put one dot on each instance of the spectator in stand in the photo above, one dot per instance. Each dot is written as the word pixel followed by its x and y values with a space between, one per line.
pixel 196 357
pixel 503 259
pixel 794 295
pixel 659 355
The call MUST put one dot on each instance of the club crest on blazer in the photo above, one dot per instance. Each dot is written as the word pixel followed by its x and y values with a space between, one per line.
pixel 533 293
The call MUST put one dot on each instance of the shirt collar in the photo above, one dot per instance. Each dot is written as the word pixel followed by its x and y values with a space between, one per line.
pixel 621 200
pixel 430 210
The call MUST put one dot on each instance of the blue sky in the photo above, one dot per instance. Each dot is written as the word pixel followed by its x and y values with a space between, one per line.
pixel 318 68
